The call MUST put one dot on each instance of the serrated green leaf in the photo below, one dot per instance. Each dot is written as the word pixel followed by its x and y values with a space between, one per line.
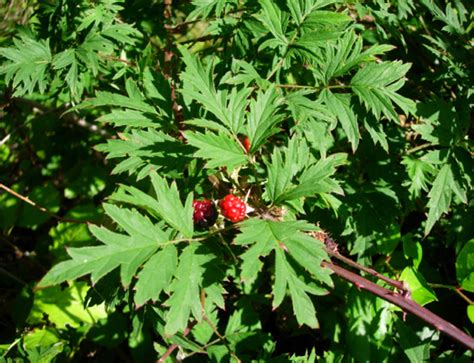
pixel 317 179
pixel 170 207
pixel 376 132
pixel 440 196
pixel 229 108
pixel 376 85
pixel 340 105
pixel 286 238
pixel 156 275
pixel 123 33
pixel 146 150
pixel 419 173
pixel 219 149
pixel 185 298
pixel 274 20
pixel 103 98
pixel 131 118
pixel 119 250
pixel 281 172
pixel 263 118
pixel 27 65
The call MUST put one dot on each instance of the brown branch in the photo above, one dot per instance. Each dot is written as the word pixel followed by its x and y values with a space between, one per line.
pixel 40 208
pixel 407 305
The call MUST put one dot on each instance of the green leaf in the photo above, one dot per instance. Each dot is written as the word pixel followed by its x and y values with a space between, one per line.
pixel 103 98
pixel 122 33
pixel 27 65
pixel 185 297
pixel 377 84
pixel 286 239
pixel 40 337
pixel 280 173
pixel 440 196
pixel 418 172
pixel 465 266
pixel 219 149
pixel 415 349
pixel 317 179
pixel 341 57
pixel 127 251
pixel 65 307
pixel 263 118
pixel 470 313
pixel 156 275
pixel 131 118
pixel 170 207
pixel 420 291
pixel 148 150
pixel 274 20
pixel 340 105
pixel 229 108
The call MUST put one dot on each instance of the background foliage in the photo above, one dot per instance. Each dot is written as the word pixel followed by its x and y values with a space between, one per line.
pixel 115 115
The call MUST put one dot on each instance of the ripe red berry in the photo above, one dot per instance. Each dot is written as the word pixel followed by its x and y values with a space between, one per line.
pixel 247 144
pixel 205 213
pixel 233 208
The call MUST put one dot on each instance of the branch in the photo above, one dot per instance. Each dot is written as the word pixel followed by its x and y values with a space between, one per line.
pixel 40 208
pixel 407 305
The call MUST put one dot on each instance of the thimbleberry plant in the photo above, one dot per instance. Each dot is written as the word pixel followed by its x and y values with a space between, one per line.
pixel 236 181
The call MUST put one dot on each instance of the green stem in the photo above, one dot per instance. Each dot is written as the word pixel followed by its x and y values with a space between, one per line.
pixel 456 289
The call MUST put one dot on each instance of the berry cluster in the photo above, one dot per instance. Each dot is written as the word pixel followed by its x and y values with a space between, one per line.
pixel 233 208
pixel 205 213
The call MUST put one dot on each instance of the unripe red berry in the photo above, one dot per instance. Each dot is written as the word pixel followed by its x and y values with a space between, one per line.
pixel 205 213
pixel 233 208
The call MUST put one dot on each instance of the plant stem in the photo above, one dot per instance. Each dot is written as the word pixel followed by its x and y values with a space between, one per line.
pixel 172 347
pixel 40 208
pixel 407 305
pixel 13 277
pixel 456 289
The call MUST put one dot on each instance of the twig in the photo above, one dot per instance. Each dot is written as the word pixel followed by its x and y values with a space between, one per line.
pixel 13 277
pixel 172 347
pixel 214 329
pixel 406 304
pixel 40 208
pixel 418 148
pixel 456 289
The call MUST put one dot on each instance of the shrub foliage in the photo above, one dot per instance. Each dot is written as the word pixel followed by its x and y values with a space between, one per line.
pixel 344 125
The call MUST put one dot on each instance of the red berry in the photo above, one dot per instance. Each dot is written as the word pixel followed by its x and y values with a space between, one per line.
pixel 233 208
pixel 247 144
pixel 205 213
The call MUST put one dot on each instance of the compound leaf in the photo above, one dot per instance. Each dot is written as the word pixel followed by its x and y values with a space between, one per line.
pixel 127 251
